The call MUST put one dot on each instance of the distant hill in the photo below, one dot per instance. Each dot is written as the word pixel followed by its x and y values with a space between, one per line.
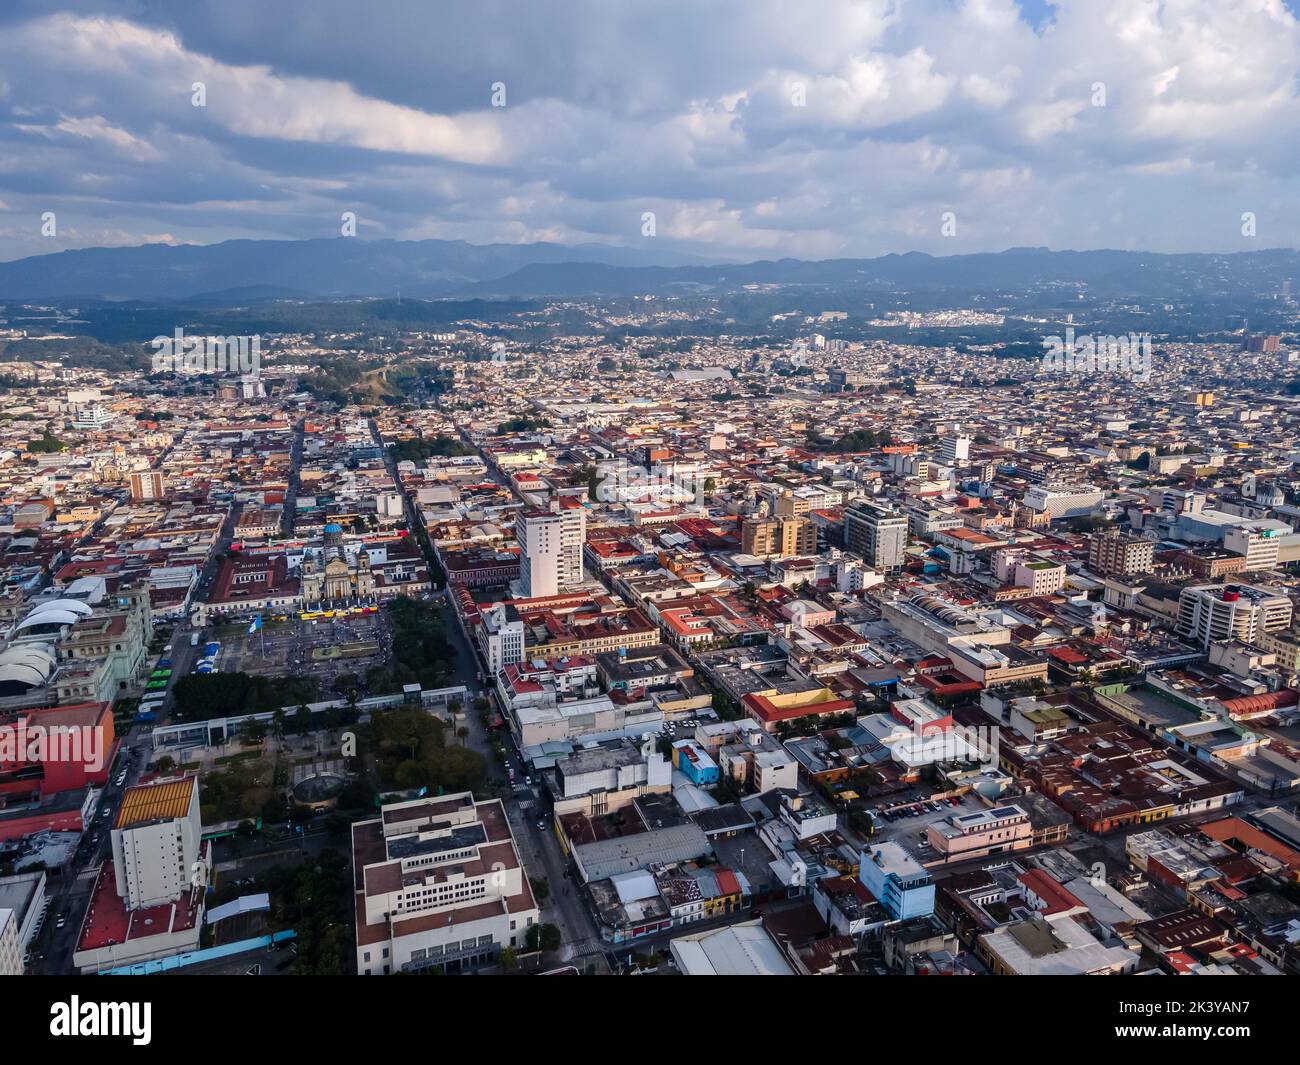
pixel 251 270
pixel 242 272
pixel 1103 273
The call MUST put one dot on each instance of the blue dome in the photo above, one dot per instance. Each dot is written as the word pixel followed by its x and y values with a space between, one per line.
pixel 333 528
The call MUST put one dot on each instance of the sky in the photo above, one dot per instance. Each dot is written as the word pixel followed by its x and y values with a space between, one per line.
pixel 748 129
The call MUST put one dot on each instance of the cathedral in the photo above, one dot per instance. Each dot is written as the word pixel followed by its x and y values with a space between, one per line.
pixel 332 579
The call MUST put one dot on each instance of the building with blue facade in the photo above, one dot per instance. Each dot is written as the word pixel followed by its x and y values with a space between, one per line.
pixel 695 763
pixel 897 880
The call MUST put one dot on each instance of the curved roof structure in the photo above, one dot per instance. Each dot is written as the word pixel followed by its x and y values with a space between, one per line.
pixel 28 665
pixel 49 617
pixel 75 605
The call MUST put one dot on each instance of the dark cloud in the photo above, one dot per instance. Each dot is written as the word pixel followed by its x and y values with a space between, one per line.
pixel 750 127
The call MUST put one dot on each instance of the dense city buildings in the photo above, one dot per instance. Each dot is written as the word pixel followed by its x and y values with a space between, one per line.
pixel 744 593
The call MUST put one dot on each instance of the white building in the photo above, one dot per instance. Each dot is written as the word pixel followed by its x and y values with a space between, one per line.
pixel 156 842
pixel 541 538
pixel 148 901
pixel 1064 500
pixel 11 954
pixel 1210 613
pixel 954 450
pixel 501 637
pixel 440 884
pixel 1259 544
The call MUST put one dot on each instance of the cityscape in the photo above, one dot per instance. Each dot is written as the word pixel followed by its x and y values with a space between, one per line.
pixel 380 599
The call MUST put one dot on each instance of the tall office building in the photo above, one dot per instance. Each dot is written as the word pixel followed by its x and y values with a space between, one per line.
pixel 550 548
pixel 541 539
pixel 954 450
pixel 1258 544
pixel 878 534
pixel 1211 613
pixel 1117 554
pixel 148 484
pixel 778 537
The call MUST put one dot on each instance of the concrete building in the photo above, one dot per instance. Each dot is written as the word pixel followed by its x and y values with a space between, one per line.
pixel 1258 545
pixel 438 882
pixel 780 537
pixel 1000 830
pixel 954 450
pixel 11 955
pixel 148 900
pixel 898 880
pixel 877 534
pixel 501 637
pixel 156 842
pixel 606 777
pixel 1213 613
pixel 540 535
pixel 1117 554
pixel 149 484
pixel 1063 500
pixel 1055 945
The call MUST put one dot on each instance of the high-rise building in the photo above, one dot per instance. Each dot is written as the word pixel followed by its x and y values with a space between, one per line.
pixel 148 484
pixel 148 900
pixel 573 538
pixel 157 842
pixel 778 537
pixel 1261 343
pixel 878 534
pixel 954 450
pixel 1116 554
pixel 550 547
pixel 1210 613
pixel 540 534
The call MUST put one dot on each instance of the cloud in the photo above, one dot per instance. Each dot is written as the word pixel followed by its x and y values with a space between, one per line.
pixel 749 126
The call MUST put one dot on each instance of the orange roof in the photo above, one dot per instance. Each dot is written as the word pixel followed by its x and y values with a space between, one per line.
pixel 155 802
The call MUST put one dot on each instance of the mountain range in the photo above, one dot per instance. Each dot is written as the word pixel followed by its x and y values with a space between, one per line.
pixel 247 271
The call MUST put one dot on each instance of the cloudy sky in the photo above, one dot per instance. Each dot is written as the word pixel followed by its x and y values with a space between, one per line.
pixel 751 128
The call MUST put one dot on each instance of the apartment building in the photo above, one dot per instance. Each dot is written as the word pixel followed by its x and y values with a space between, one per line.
pixel 1213 613
pixel 1117 554
pixel 879 535
pixel 778 537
